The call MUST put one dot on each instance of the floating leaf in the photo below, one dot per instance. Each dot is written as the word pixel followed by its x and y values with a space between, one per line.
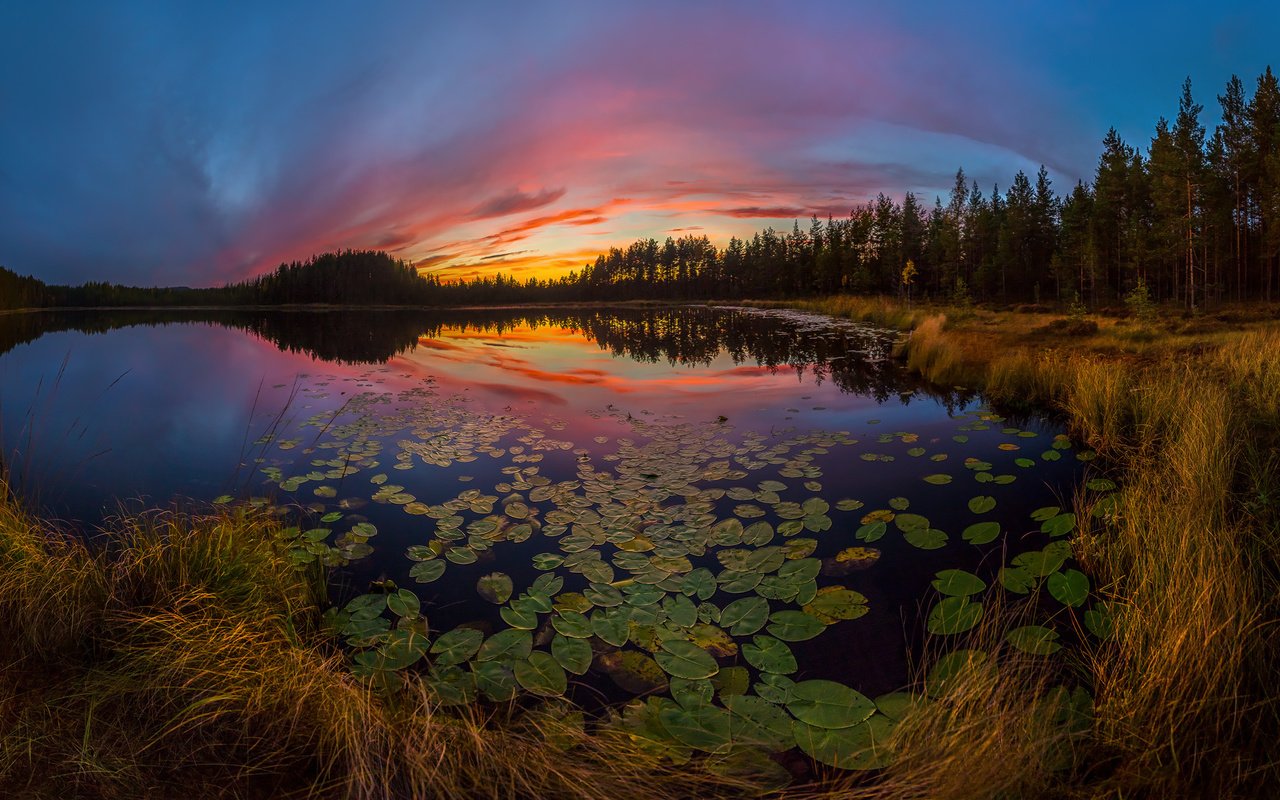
pixel 611 626
pixel 700 583
pixel 862 746
pixel 982 504
pixel 958 583
pixel 456 646
pixel 633 671
pixel 714 640
pixel 404 603
pixel 704 727
pixel 542 675
pixel 871 531
pixel 496 587
pixel 572 624
pixel 572 654
pixel 506 645
pixel 686 660
pixel 1071 588
pixel 1059 525
pixel 954 615
pixel 794 626
pixel 731 681
pixel 911 522
pixel 981 532
pixel 832 603
pixel 827 704
pixel 951 669
pixel 898 705
pixel 1018 580
pixel 938 479
pixel 745 616
pixel 926 539
pixel 496 679
pixel 1035 639
pixel 427 571
pixel 767 654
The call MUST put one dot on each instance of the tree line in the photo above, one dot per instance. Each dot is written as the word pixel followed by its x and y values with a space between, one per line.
pixel 1192 218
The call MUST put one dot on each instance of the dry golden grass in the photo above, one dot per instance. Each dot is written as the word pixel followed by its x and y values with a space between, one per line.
pixel 187 660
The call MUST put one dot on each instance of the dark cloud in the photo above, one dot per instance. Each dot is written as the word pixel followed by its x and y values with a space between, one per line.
pixel 515 201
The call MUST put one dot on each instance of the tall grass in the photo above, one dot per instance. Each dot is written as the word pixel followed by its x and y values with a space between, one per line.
pixel 187 659
pixel 1186 703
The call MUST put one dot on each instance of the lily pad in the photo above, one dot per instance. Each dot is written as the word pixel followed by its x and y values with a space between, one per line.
pixel 958 583
pixel 794 626
pixel 981 532
pixel 506 645
pixel 745 616
pixel 496 587
pixel 768 654
pixel 456 646
pixel 827 704
pixel 572 654
pixel 982 504
pixel 954 615
pixel 862 746
pixel 686 660
pixel 1071 588
pixel 1035 639
pixel 542 675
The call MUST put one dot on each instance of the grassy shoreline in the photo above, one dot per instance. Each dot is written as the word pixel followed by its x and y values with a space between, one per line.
pixel 191 659
pixel 1186 411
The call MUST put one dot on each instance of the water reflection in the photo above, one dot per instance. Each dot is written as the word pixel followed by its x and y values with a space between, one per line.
pixel 854 358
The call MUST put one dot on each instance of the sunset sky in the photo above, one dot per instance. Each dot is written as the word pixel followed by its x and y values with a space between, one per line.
pixel 197 143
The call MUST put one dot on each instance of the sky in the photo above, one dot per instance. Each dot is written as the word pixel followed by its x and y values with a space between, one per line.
pixel 183 143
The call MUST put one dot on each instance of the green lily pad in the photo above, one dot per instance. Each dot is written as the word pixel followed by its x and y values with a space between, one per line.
pixel 938 479
pixel 1035 639
pixel 911 522
pixel 833 603
pixel 982 504
pixel 871 531
pixel 456 646
pixel 510 644
pixel 1071 588
pixel 981 532
pixel 958 583
pixel 686 660
pixel 827 704
pixel 926 539
pixel 572 654
pixel 496 587
pixel 704 727
pixel 700 582
pixel 859 747
pixel 542 675
pixel 731 681
pixel 1059 525
pixel 767 654
pixel 794 626
pixel 954 615
pixel 1018 580
pixel 496 679
pixel 612 626
pixel 404 603
pixel 572 624
pixel 745 616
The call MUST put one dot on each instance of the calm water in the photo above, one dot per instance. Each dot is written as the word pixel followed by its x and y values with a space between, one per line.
pixel 624 447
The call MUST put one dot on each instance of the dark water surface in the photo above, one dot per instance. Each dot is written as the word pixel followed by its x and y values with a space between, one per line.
pixel 619 447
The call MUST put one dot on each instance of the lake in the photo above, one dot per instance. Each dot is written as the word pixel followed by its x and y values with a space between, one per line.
pixel 688 502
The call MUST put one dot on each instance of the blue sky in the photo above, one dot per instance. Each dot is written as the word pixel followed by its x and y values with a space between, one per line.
pixel 184 143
